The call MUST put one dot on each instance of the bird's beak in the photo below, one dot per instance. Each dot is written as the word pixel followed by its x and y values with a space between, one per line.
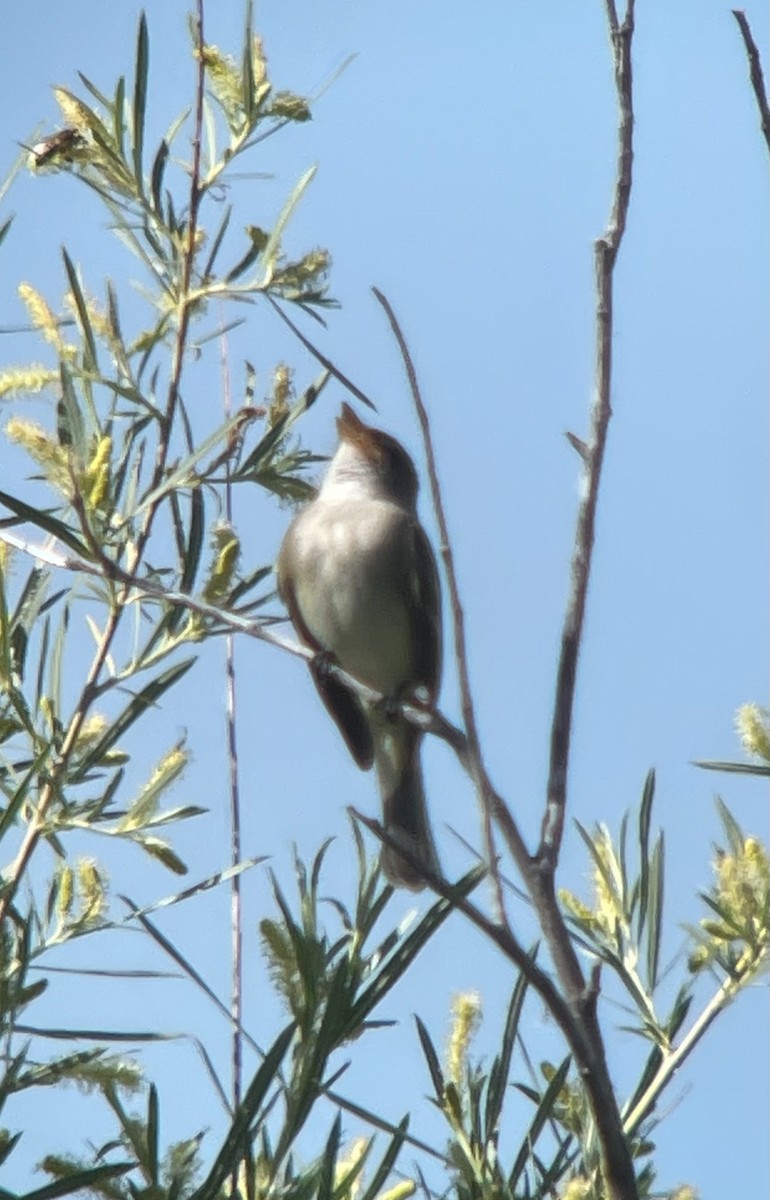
pixel 352 429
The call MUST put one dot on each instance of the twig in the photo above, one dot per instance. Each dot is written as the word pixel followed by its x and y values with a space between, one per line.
pixel 592 454
pixel 231 733
pixel 673 1060
pixel 430 722
pixel 475 763
pixel 755 72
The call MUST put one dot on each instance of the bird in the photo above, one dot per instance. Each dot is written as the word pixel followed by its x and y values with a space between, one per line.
pixel 359 579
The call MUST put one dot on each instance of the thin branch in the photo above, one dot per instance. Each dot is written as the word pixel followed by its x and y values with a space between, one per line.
pixel 430 722
pixel 605 254
pixel 755 72
pixel 475 762
pixel 231 734
pixel 500 934
pixel 674 1059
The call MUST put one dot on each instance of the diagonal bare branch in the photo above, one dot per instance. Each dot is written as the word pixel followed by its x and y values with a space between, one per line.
pixel 755 72
pixel 592 451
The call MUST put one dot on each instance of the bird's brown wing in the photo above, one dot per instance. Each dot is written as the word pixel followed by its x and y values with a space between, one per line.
pixel 344 708
pixel 424 589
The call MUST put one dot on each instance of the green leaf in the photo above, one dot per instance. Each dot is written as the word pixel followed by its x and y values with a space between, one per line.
pixel 238 1135
pixel 8 818
pixel 156 179
pixel 381 1175
pixel 264 449
pixel 141 702
pixel 43 520
pixel 272 248
pixel 140 99
pixel 92 1177
pixel 498 1076
pixel 247 66
pixel 90 361
pixel 153 1161
pixel 657 866
pixel 431 1058
pixel 163 853
pixel 645 816
pixel 217 242
pixel 735 834
pixel 185 474
pixel 544 1113
pixel 4 229
pixel 118 115
pixel 409 947
pixel 735 768
pixel 329 1161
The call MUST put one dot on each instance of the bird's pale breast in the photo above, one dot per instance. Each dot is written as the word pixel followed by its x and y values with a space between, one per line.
pixel 350 588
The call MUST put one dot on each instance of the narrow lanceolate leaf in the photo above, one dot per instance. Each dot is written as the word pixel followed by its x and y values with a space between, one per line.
pixel 498 1076
pixel 140 99
pixel 382 1174
pixel 185 474
pixel 216 244
pixel 329 1161
pixel 273 246
pixel 735 835
pixel 43 520
pixel 238 1135
pixel 119 116
pixel 645 814
pixel 153 1159
pixel 156 178
pixel 91 1178
pixel 81 309
pixel 4 229
pixel 141 702
pixel 409 947
pixel 8 817
pixel 247 66
pixel 431 1058
pixel 735 768
pixel 265 447
pixel 544 1112
pixel 655 907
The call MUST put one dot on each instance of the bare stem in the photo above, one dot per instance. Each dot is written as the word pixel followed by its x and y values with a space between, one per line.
pixel 231 733
pixel 755 72
pixel 592 452
pixel 673 1060
pixel 475 764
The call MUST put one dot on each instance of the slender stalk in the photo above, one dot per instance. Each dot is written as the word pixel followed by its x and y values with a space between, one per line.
pixel 755 72
pixel 592 451
pixel 236 904
pixel 673 1060
pixel 475 764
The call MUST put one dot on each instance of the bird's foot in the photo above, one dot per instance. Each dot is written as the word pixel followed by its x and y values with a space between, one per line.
pixel 322 663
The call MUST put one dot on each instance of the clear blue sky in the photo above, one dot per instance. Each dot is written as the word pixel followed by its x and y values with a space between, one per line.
pixel 465 164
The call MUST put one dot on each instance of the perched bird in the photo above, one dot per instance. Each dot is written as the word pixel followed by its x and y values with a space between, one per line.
pixel 359 579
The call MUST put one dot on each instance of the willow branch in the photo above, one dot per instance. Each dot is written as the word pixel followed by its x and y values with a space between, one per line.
pixel 755 72
pixel 475 763
pixel 592 451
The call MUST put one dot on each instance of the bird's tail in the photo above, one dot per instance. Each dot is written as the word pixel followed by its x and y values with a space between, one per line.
pixel 404 810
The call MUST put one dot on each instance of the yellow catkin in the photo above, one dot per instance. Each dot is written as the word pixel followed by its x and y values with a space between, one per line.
pixel 27 380
pixel 753 725
pixel 466 1013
